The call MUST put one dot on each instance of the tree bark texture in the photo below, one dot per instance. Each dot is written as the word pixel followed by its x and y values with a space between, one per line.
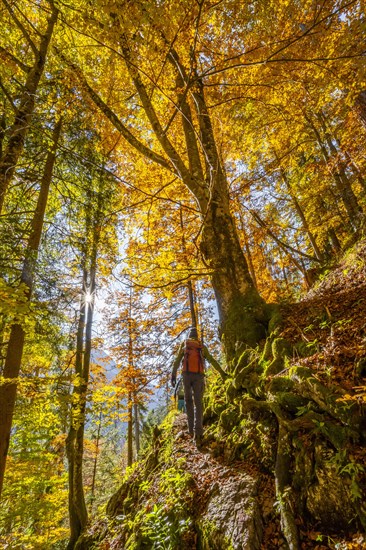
pixel 130 431
pixel 17 335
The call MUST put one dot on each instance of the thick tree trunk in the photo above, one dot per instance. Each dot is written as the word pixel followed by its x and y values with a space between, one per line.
pixel 23 116
pixel 242 311
pixel 17 336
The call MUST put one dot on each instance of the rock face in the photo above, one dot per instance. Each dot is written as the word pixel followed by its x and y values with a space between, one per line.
pixel 233 515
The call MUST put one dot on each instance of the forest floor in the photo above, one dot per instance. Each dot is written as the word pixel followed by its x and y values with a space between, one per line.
pixel 209 471
pixel 331 321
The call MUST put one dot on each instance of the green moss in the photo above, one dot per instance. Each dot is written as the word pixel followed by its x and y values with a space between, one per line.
pixel 232 392
pixel 290 402
pixel 243 361
pixel 281 384
pixel 305 349
pixel 229 418
pixel 267 351
pixel 275 318
pixel 210 537
pixel 281 348
pixel 246 323
pixel 274 367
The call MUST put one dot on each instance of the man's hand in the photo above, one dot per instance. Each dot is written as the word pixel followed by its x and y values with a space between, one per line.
pixel 173 380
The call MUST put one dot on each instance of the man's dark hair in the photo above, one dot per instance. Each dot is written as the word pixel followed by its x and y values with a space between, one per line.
pixel 193 333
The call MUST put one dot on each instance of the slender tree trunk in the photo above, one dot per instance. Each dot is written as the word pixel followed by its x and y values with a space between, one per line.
pixel 137 427
pixel 189 283
pixel 284 247
pixel 334 240
pixel 78 514
pixel 23 116
pixel 248 252
pixel 131 394
pixel 77 508
pixel 341 172
pixel 130 431
pixel 97 443
pixel 17 335
pixel 301 215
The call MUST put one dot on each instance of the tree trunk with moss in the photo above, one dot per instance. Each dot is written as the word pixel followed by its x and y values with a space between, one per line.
pixel 241 309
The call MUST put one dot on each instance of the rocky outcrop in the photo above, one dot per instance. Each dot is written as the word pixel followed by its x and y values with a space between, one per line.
pixel 233 515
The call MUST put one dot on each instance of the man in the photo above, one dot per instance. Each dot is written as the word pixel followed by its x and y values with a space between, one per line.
pixel 190 356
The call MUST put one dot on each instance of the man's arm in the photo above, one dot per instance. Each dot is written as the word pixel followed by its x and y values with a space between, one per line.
pixel 207 355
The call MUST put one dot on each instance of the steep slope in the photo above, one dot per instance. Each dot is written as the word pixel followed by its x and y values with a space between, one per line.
pixel 283 463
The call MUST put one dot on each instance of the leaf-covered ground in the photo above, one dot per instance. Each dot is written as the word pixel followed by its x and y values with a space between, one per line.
pixel 331 321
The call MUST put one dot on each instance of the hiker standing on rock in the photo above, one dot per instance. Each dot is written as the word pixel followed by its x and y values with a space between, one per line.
pixel 191 356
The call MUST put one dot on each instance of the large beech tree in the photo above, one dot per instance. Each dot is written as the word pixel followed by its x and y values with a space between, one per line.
pixel 185 144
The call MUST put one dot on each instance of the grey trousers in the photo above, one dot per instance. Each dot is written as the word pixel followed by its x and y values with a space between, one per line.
pixel 193 383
